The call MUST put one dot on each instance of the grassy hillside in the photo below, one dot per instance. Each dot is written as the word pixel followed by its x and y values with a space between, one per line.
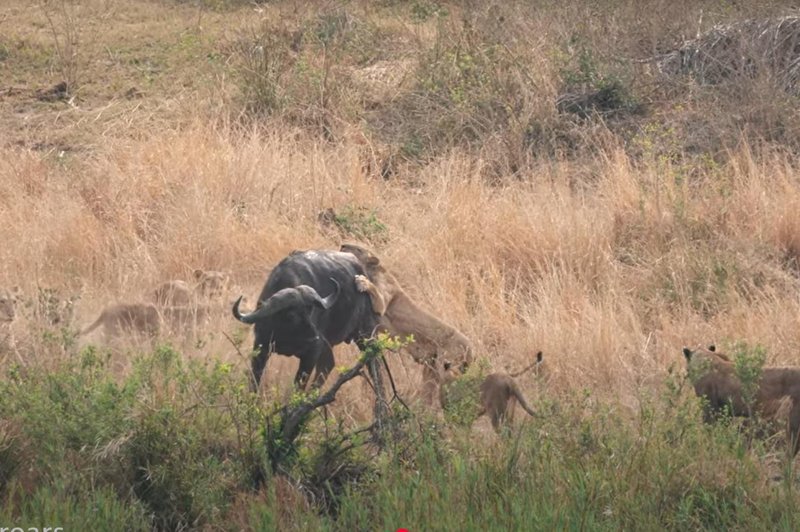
pixel 524 169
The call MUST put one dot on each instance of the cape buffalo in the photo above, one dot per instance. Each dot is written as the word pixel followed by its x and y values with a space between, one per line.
pixel 292 318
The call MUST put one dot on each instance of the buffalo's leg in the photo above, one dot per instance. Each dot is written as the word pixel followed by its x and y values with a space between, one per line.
pixel 308 360
pixel 324 365
pixel 257 364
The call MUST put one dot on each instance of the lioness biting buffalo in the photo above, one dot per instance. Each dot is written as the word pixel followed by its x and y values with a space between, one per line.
pixel 434 340
pixel 714 378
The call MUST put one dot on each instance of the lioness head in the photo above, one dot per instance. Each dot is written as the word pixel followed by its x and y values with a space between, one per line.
pixel 210 283
pixel 364 255
pixel 701 353
pixel 8 303
pixel 701 360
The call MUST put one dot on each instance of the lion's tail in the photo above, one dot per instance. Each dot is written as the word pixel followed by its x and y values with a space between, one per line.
pixel 536 363
pixel 515 391
pixel 93 326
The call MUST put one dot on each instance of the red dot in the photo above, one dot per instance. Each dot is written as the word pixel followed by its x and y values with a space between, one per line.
pixel 402 530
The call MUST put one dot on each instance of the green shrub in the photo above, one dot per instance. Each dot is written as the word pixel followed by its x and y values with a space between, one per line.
pixel 462 395
pixel 178 444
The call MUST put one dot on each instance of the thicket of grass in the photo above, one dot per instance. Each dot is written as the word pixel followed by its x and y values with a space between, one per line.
pixel 176 445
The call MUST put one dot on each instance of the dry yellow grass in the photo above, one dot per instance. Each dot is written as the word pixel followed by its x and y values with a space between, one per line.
pixel 609 273
pixel 526 267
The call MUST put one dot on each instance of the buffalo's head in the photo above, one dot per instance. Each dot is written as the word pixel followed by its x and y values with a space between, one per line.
pixel 294 298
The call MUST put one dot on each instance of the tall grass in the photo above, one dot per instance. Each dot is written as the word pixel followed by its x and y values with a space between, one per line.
pixel 607 239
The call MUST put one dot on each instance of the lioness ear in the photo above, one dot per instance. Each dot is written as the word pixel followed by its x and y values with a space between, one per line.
pixel 198 273
pixel 447 366
pixel 712 348
pixel 539 356
pixel 687 353
pixel 372 260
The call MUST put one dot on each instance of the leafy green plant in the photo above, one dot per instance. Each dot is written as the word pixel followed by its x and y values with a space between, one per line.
pixel 748 363
pixel 360 222
pixel 462 395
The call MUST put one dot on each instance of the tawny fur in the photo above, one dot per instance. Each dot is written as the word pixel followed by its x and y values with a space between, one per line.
pixel 212 284
pixel 127 318
pixel 401 316
pixel 778 390
pixel 499 394
pixel 209 284
pixel 146 319
pixel 173 293
pixel 8 303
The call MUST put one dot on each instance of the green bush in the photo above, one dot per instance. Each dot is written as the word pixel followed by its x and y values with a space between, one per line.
pixel 179 444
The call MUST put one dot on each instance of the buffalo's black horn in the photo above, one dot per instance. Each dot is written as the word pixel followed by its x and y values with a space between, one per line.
pixel 328 301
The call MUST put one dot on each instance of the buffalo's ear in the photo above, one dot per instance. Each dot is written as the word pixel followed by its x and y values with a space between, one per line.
pixel 539 356
pixel 712 348
pixel 687 353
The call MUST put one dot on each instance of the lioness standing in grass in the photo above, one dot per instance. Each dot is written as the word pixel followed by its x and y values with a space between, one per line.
pixel 714 377
pixel 209 284
pixel 499 393
pixel 127 318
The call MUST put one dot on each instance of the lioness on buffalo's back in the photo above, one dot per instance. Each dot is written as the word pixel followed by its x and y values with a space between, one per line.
pixel 714 378
pixel 434 340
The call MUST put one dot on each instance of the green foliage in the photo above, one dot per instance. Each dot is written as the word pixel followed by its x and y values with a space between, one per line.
pixel 361 223
pixel 75 509
pixel 596 88
pixel 462 395
pixel 172 440
pixel 377 346
pixel 748 363
pixel 265 60
pixel 422 10
pixel 176 443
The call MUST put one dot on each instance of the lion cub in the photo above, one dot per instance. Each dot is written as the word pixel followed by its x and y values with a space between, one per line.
pixel 121 318
pixel 499 393
pixel 714 378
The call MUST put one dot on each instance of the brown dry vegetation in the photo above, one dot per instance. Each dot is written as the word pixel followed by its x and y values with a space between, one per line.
pixel 522 168
pixel 607 243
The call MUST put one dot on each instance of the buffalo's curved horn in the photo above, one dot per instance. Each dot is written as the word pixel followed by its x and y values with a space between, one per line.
pixel 329 300
pixel 298 296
